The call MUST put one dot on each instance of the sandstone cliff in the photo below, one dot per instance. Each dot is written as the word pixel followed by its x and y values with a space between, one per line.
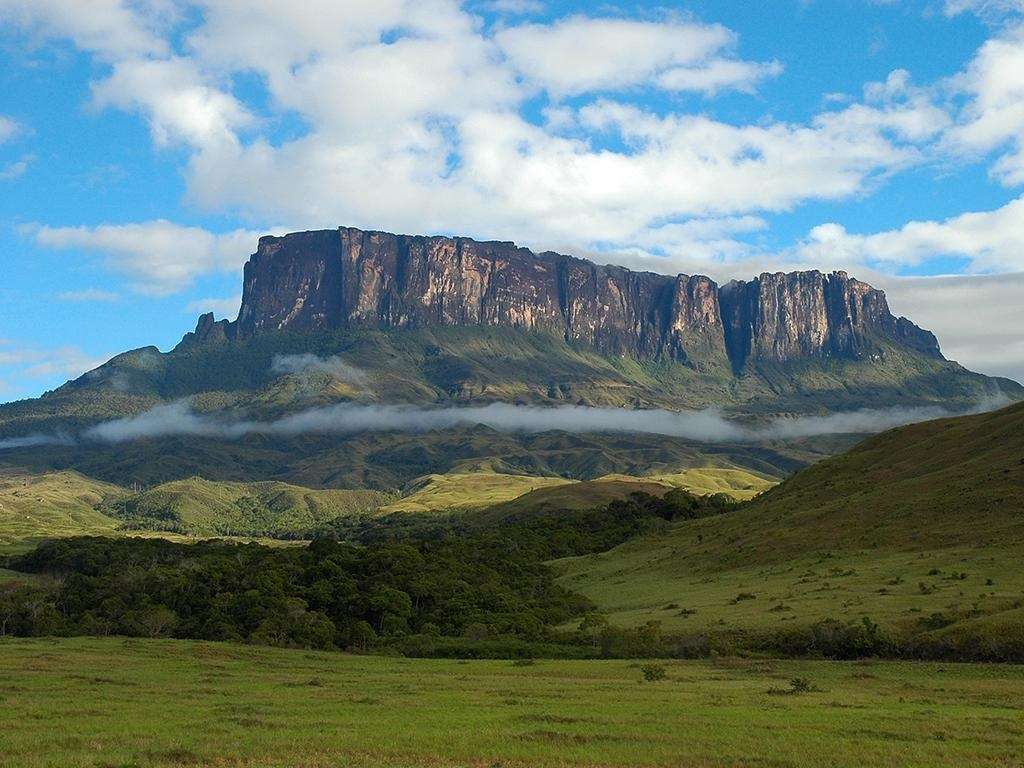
pixel 349 278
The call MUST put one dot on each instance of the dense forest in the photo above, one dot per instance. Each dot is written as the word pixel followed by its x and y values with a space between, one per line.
pixel 474 583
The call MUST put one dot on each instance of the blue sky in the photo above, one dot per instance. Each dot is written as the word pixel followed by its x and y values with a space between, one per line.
pixel 145 145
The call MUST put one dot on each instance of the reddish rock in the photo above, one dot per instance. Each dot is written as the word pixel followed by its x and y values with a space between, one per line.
pixel 345 278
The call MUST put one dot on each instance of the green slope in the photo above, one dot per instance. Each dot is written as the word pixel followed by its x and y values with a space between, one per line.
pixel 462 491
pixel 205 508
pixel 52 504
pixel 389 460
pixel 923 519
pixel 482 364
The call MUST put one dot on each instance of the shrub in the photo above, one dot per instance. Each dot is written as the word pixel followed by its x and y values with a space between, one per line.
pixel 653 672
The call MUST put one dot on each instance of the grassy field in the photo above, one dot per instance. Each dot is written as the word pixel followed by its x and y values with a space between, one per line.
pixel 179 703
pixel 647 580
pixel 919 520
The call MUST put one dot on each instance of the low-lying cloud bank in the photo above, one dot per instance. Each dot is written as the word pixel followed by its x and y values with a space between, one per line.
pixel 306 364
pixel 30 441
pixel 179 420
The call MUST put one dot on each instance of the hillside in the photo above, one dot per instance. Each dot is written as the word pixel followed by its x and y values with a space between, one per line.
pixel 203 508
pixel 392 460
pixel 463 491
pixel 53 504
pixel 923 519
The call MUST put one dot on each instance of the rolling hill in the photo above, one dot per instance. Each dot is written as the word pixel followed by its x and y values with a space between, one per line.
pixel 53 504
pixel 201 507
pixel 922 520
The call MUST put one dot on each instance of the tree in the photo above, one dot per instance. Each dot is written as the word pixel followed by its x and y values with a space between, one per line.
pixel 157 620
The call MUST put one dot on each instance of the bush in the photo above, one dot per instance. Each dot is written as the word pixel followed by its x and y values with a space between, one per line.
pixel 653 672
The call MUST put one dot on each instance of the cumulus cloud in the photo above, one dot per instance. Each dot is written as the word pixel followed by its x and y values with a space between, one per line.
pixel 177 101
pixel 158 256
pixel 580 54
pixel 989 240
pixel 332 366
pixel 109 28
pixel 993 117
pixel 413 119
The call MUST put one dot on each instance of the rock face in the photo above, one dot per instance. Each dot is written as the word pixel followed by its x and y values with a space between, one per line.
pixel 348 278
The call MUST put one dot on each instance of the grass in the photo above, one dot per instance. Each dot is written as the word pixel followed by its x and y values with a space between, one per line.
pixel 52 504
pixel 705 481
pixel 210 508
pixel 459 491
pixel 66 503
pixel 180 703
pixel 648 580
pixel 856 535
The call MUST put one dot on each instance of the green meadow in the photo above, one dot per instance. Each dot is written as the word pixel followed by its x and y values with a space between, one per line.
pixel 118 702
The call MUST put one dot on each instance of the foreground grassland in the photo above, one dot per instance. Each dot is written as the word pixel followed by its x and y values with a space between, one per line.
pixel 115 702
pixel 648 580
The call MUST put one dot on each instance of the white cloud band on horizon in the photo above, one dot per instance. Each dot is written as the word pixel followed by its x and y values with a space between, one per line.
pixel 178 419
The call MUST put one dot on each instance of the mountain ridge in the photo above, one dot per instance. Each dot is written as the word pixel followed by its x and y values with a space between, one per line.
pixel 323 280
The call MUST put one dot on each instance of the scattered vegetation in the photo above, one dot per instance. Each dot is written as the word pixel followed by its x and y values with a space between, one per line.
pixel 177 702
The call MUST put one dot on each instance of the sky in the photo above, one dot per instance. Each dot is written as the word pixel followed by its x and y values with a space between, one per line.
pixel 145 145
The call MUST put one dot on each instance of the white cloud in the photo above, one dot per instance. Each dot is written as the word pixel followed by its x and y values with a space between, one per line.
pixel 13 170
pixel 983 7
pixel 31 362
pixel 977 319
pixel 158 256
pixel 110 28
pixel 413 122
pixel 178 104
pixel 9 128
pixel 718 74
pixel 989 240
pixel 580 54
pixel 225 307
pixel 994 115
pixel 89 295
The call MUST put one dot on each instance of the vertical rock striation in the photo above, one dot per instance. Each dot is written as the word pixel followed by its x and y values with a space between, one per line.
pixel 349 278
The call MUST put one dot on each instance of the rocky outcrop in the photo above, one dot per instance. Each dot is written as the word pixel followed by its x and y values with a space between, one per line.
pixel 349 278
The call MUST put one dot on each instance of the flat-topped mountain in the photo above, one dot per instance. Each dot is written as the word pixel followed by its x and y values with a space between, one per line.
pixel 331 280
pixel 347 315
